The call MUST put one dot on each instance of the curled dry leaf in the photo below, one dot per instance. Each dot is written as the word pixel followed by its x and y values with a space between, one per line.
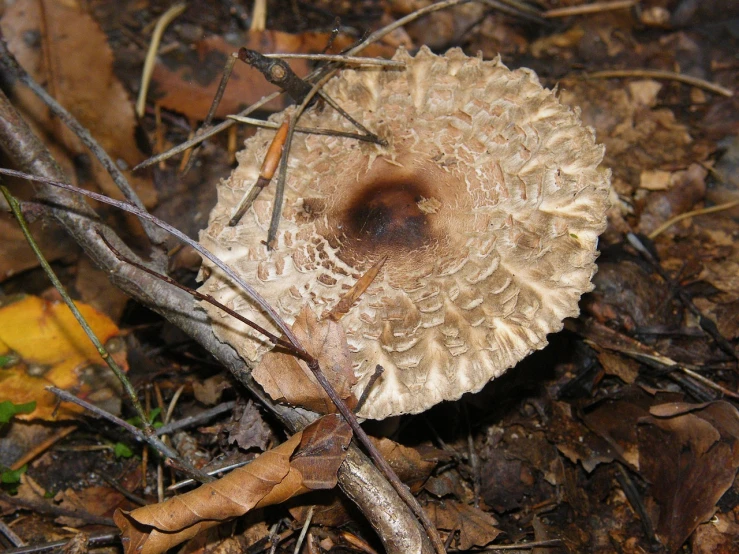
pixel 286 379
pixel 307 461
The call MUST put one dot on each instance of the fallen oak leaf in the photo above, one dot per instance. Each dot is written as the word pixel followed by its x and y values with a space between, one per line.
pixel 270 479
pixel 286 379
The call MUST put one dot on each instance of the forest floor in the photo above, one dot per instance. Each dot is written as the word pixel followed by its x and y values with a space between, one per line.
pixel 622 435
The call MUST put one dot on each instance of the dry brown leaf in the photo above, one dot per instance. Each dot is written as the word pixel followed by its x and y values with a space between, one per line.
pixel 286 379
pixel 270 479
pixel 476 528
pixel 690 460
pixel 250 431
pixel 407 463
pixel 73 60
pixel 322 450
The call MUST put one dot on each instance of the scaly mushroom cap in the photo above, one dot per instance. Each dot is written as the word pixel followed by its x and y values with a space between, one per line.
pixel 487 202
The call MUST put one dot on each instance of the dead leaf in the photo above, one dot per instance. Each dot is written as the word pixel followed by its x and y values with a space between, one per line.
pixel 209 391
pixel 407 463
pixel 52 349
pixel 72 58
pixel 271 478
pixel 286 379
pixel 690 460
pixel 476 528
pixel 250 431
pixel 15 254
pixel 322 450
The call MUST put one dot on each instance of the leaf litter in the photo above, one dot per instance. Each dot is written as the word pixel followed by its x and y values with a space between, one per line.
pixel 555 438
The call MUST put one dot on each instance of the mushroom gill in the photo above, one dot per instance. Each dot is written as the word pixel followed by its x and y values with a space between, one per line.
pixel 487 202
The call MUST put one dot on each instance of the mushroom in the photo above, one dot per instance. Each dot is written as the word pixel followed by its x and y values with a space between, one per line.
pixel 486 202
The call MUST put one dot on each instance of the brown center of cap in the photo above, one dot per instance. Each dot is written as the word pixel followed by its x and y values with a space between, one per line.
pixel 387 214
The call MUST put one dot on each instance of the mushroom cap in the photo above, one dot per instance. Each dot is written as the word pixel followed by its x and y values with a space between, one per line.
pixel 487 203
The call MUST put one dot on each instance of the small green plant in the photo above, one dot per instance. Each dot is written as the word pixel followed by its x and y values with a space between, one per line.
pixel 8 410
pixel 122 450
pixel 11 478
pixel 153 419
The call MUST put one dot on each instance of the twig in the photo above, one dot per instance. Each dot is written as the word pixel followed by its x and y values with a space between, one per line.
pixel 94 540
pixel 280 187
pixel 520 546
pixel 166 18
pixel 515 8
pixel 266 172
pixel 259 16
pixel 223 469
pixel 307 130
pixel 9 534
pixel 707 324
pixel 584 9
pixel 274 339
pixel 678 218
pixel 37 450
pixel 220 91
pixel 115 420
pixel 304 530
pixel 196 419
pixel 205 134
pixel 46 508
pixel 121 489
pixel 7 58
pixel 351 60
pixel 666 75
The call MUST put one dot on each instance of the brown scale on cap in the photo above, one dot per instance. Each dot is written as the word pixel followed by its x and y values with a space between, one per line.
pixel 487 204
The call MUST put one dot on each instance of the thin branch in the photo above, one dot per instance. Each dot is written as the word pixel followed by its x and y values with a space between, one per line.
pixel 47 508
pixel 350 60
pixel 205 134
pixel 96 540
pixel 585 9
pixel 223 469
pixel 274 339
pixel 280 188
pixel 151 55
pixel 9 61
pixel 707 324
pixel 687 215
pixel 196 419
pixel 306 130
pixel 664 75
